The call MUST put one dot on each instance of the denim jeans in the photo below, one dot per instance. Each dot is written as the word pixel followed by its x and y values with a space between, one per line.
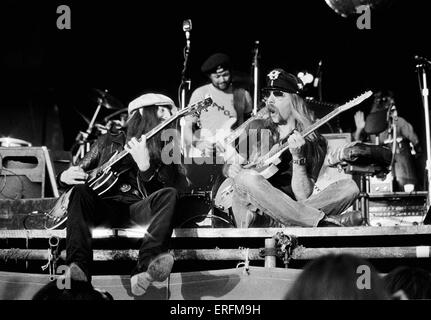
pixel 256 203
pixel 87 210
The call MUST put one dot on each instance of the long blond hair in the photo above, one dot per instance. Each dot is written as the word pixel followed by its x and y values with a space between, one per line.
pixel 304 118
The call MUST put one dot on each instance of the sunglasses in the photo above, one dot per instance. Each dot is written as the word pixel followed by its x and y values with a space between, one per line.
pixel 276 93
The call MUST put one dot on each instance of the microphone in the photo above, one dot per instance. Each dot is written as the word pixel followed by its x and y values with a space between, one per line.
pixel 422 59
pixel 187 27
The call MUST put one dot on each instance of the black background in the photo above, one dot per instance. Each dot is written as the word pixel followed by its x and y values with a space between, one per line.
pixel 129 47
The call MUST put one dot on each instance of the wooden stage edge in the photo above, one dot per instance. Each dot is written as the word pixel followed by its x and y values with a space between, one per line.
pixel 363 231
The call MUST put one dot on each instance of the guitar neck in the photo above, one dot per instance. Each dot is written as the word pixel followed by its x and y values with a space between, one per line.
pixel 304 133
pixel 148 136
pixel 238 131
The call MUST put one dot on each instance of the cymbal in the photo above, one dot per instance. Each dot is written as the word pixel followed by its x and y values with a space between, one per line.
pixel 107 100
pixel 116 113
pixel 347 8
pixel 12 142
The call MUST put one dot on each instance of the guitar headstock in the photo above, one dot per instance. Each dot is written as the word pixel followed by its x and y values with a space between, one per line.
pixel 356 101
pixel 197 107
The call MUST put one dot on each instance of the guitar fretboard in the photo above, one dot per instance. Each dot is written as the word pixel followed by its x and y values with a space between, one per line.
pixel 191 109
pixel 261 160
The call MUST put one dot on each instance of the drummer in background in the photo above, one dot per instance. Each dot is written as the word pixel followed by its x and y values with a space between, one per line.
pixel 232 106
pixel 379 122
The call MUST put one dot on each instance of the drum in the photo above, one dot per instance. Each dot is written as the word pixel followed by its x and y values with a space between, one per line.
pixel 201 174
pixel 196 210
pixel 12 142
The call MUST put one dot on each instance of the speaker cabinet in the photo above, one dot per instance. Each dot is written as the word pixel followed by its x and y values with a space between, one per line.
pixel 25 172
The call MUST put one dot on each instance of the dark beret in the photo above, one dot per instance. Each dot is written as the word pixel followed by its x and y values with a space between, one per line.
pixel 214 62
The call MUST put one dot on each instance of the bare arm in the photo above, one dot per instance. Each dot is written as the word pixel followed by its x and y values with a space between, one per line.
pixel 407 131
pixel 360 125
pixel 302 184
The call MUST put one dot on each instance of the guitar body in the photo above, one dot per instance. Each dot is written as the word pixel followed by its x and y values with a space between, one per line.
pixel 103 181
pixel 206 135
pixel 223 199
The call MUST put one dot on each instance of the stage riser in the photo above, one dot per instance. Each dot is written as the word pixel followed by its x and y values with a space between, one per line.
pixel 13 212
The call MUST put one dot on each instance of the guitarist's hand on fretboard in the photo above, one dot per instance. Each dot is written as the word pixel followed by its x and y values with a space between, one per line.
pixel 74 175
pixel 139 152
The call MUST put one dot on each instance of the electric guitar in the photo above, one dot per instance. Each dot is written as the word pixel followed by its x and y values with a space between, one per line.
pixel 266 165
pixel 227 137
pixel 104 177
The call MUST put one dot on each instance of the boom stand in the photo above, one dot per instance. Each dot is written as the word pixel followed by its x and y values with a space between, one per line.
pixel 425 94
pixel 255 77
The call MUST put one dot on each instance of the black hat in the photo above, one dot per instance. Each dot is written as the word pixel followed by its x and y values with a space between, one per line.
pixel 278 79
pixel 216 61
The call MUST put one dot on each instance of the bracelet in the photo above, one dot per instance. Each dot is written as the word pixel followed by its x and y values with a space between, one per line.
pixel 301 161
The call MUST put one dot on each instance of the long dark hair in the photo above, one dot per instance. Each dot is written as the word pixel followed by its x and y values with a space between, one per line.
pixel 138 124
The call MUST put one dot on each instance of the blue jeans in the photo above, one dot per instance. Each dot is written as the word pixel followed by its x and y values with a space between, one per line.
pixel 256 203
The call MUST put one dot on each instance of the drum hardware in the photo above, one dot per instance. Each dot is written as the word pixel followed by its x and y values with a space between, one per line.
pixel 82 144
pixel 422 65
pixel 197 210
pixel 347 8
pixel 12 142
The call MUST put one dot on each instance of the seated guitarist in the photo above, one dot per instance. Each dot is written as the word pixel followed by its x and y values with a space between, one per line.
pixel 144 196
pixel 286 199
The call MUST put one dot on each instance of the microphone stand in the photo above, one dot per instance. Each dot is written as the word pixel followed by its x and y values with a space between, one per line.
pixel 184 87
pixel 425 93
pixel 255 77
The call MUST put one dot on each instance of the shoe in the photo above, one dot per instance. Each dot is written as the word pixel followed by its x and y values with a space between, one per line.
pixel 350 218
pixel 158 270
pixel 329 222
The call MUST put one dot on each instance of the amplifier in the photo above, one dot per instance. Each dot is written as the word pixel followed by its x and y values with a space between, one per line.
pixel 397 208
pixel 382 185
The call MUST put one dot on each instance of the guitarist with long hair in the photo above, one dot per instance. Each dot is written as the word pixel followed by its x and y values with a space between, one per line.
pixel 286 198
pixel 145 195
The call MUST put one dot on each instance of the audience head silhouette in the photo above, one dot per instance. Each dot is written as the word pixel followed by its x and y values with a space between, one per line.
pixel 338 277
pixel 410 283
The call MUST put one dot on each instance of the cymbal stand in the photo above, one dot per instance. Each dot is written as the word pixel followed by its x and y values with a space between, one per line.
pixel 82 137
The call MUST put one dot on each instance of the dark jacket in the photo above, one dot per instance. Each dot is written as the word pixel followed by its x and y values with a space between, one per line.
pixel 132 184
